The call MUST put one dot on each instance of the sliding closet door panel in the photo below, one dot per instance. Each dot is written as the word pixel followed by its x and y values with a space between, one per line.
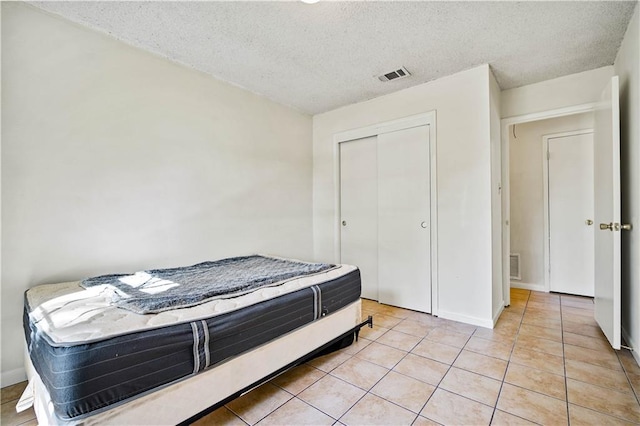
pixel 404 269
pixel 359 211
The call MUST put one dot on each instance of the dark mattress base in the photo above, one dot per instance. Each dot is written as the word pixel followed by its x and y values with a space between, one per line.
pixel 82 379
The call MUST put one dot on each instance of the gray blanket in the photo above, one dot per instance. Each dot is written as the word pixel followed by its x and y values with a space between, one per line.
pixel 160 290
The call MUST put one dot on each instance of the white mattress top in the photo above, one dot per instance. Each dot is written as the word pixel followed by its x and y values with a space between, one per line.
pixel 70 314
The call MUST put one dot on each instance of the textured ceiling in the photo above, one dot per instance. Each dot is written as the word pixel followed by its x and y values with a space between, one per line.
pixel 322 56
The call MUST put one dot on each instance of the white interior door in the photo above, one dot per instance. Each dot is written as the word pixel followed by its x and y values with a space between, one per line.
pixel 359 210
pixel 607 212
pixel 404 271
pixel 571 235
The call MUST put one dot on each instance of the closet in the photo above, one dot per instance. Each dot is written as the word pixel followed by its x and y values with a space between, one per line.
pixel 385 214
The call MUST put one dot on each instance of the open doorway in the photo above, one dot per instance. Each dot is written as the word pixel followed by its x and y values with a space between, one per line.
pixel 551 204
pixel 508 127
pixel 606 211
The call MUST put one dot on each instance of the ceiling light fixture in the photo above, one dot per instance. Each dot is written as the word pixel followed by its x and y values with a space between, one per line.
pixel 309 1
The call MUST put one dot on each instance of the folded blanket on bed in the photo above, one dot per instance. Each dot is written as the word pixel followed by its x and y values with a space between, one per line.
pixel 160 290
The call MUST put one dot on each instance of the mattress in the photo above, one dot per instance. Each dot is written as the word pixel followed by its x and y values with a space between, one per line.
pixel 92 356
pixel 179 402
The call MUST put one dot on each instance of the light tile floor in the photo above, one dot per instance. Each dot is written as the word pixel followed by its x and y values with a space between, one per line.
pixel 546 362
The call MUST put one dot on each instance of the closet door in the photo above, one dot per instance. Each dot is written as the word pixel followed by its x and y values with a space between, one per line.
pixel 359 211
pixel 404 256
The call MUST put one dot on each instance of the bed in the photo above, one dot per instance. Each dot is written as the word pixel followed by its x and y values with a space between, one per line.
pixel 96 354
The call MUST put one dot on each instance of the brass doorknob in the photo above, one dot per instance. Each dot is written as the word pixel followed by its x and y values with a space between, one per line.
pixel 626 226
pixel 605 226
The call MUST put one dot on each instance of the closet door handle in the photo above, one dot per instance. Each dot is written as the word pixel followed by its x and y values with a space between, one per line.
pixel 423 224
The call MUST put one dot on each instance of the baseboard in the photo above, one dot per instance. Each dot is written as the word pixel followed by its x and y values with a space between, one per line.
pixel 487 323
pixel 528 286
pixel 12 377
pixel 632 344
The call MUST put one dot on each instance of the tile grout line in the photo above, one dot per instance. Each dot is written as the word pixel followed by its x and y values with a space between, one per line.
pixel 566 387
pixel 285 390
pixel 564 363
pixel 504 377
pixel 445 375
pixel 236 415
pixel 440 381
pixel 581 381
pixel 295 396
pixel 626 374
pixel 348 409
pixel 586 362
pixel 15 401
pixel 268 414
pixel 391 369
pixel 367 392
pixel 336 420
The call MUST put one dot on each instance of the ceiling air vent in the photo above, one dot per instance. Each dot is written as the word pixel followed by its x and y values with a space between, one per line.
pixel 394 75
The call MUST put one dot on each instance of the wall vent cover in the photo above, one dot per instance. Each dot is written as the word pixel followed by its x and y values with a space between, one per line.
pixel 514 266
pixel 395 75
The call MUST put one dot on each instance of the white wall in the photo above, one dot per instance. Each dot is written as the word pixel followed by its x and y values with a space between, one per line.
pixel 527 191
pixel 497 299
pixel 114 159
pixel 570 90
pixel 464 247
pixel 627 67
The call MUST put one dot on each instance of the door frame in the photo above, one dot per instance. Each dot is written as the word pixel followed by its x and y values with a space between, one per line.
pixel 545 199
pixel 505 123
pixel 424 119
